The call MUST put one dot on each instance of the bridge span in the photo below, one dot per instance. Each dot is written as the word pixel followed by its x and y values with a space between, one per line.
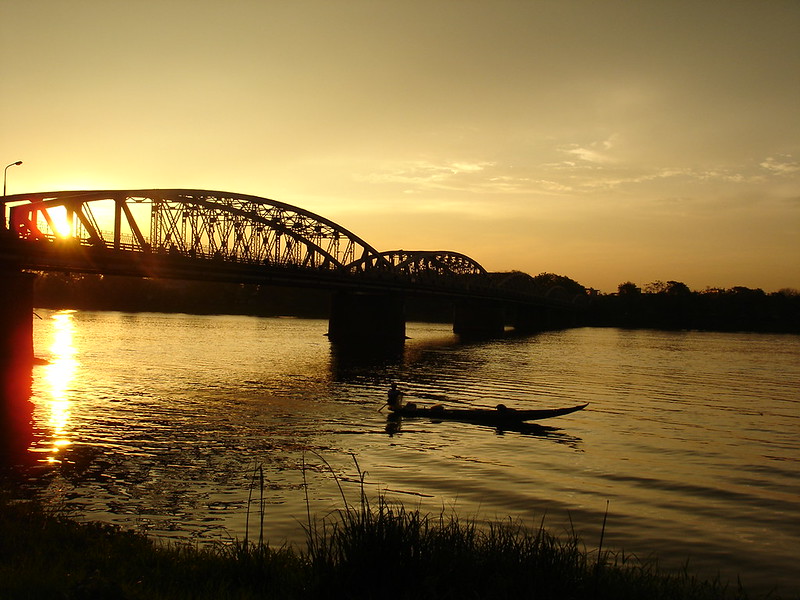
pixel 226 237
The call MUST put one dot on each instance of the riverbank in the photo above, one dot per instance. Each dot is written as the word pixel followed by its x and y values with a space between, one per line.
pixel 375 550
pixel 733 310
pixel 669 306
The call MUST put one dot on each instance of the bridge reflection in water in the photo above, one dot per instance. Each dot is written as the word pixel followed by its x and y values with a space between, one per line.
pixel 220 236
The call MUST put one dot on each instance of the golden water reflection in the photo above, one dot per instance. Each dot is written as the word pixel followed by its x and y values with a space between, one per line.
pixel 59 375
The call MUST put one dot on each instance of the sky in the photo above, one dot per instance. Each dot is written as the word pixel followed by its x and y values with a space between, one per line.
pixel 607 141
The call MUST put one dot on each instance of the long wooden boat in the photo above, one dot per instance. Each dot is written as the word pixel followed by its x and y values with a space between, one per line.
pixel 499 415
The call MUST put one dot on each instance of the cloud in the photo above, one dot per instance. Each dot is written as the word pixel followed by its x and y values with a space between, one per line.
pixel 457 176
pixel 588 154
pixel 425 173
pixel 486 178
pixel 781 165
pixel 594 171
pixel 597 152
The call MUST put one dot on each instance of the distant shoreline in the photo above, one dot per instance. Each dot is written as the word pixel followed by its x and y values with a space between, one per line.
pixel 737 309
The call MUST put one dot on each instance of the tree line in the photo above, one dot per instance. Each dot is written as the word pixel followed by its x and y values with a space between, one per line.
pixel 657 305
pixel 673 305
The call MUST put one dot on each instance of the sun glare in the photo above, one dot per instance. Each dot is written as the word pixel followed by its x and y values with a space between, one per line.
pixel 59 222
pixel 60 373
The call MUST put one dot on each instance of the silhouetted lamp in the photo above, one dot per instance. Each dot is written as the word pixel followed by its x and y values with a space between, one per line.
pixel 5 176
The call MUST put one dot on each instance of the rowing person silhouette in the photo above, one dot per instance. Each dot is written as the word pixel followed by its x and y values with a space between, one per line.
pixel 395 397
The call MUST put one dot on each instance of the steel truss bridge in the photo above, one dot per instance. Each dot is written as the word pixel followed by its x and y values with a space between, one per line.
pixel 221 236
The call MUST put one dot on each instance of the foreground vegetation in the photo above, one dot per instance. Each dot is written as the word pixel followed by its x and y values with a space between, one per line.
pixel 376 550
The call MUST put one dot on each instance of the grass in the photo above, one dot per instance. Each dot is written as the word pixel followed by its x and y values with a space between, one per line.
pixel 375 549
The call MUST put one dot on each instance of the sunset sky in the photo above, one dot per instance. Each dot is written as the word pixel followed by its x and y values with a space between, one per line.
pixel 602 140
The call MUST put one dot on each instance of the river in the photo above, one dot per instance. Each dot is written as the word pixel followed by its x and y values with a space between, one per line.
pixel 689 445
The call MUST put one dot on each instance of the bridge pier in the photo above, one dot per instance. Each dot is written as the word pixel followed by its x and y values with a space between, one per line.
pixel 16 332
pixel 366 318
pixel 478 318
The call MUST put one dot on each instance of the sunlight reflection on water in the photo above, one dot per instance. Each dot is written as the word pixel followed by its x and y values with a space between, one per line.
pixel 59 374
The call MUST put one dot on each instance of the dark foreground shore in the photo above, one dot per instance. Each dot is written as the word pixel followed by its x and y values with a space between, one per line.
pixel 373 550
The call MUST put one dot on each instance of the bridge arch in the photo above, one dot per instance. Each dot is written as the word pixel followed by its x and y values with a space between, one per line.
pixel 198 223
pixel 422 262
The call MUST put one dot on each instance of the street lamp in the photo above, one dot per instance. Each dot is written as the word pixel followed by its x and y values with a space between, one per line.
pixel 5 174
pixel 3 205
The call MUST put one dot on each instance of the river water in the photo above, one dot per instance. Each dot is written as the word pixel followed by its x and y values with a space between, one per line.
pixel 690 442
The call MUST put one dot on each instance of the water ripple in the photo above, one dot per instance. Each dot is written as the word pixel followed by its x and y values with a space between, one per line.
pixel 691 438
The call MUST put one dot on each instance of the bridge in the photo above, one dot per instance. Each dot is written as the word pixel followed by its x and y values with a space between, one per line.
pixel 225 237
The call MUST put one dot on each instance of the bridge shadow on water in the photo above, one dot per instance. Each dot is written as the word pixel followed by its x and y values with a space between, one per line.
pixel 358 357
pixel 376 358
pixel 352 359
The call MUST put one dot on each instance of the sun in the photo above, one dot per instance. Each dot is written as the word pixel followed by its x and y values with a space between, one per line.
pixel 58 221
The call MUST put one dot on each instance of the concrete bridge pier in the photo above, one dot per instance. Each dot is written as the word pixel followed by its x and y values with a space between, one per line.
pixel 367 318
pixel 478 318
pixel 16 332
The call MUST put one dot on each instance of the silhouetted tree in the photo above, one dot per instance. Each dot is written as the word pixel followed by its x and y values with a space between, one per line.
pixel 678 288
pixel 655 287
pixel 551 280
pixel 628 289
pixel 788 292
pixel 672 288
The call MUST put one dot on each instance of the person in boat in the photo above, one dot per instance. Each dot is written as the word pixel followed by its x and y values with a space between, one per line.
pixel 395 397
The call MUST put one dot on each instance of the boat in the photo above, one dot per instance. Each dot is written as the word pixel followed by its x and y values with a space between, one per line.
pixel 499 415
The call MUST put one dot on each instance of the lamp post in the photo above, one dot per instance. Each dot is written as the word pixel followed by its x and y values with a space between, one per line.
pixel 5 174
pixel 3 204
